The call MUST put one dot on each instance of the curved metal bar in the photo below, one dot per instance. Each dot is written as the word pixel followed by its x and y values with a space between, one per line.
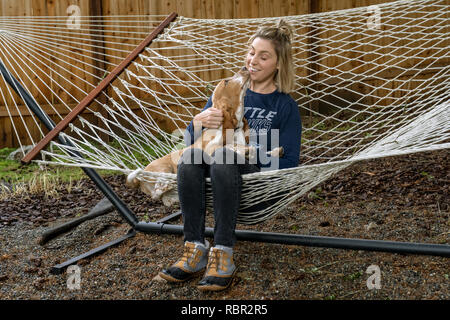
pixel 97 90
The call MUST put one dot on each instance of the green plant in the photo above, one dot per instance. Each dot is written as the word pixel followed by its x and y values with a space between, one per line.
pixel 4 152
pixel 427 175
pixel 316 194
pixel 354 276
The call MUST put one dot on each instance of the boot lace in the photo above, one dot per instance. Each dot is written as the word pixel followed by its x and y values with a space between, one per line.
pixel 191 256
pixel 217 261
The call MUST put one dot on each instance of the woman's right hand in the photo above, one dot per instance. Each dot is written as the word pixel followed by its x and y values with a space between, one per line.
pixel 210 118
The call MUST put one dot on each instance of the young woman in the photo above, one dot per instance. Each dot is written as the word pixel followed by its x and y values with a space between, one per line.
pixel 268 108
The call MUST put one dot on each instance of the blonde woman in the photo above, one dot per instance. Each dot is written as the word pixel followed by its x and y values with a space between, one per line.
pixel 268 108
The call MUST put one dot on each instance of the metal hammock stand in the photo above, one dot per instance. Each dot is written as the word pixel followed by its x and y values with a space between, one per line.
pixel 161 226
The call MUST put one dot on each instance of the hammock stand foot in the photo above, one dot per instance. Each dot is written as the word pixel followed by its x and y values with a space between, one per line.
pixel 59 268
pixel 102 207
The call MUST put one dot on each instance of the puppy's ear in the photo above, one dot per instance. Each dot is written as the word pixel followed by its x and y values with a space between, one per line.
pixel 246 129
pixel 218 92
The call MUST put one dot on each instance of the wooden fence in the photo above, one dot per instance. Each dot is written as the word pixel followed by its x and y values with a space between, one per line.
pixel 189 8
pixel 217 9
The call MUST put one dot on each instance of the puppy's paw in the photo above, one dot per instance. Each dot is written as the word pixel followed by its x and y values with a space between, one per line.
pixel 132 181
pixel 147 187
pixel 160 188
pixel 240 150
pixel 170 198
pixel 277 152
pixel 250 152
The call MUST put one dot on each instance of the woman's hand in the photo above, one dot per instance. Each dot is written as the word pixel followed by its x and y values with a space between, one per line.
pixel 211 118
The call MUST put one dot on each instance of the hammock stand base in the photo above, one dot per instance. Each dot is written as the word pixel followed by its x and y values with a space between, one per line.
pixel 163 228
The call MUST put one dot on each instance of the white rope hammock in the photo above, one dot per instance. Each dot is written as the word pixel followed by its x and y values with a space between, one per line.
pixel 365 90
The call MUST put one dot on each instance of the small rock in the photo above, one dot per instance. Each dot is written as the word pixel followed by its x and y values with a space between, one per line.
pixel 101 229
pixel 31 270
pixel 39 283
pixel 369 226
pixel 324 224
pixel 158 278
pixel 34 261
pixel 83 262
pixel 132 250
pixel 5 257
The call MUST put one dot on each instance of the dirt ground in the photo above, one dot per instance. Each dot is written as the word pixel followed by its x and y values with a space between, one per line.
pixel 398 198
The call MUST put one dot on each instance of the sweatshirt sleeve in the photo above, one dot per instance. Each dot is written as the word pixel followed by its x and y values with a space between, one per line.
pixel 290 136
pixel 189 133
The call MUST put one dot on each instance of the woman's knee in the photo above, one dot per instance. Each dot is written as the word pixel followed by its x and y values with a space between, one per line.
pixel 223 172
pixel 193 163
pixel 191 156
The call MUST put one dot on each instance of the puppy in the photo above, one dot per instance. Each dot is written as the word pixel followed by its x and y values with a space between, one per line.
pixel 228 96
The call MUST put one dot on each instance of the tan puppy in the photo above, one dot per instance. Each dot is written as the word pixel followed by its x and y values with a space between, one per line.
pixel 228 96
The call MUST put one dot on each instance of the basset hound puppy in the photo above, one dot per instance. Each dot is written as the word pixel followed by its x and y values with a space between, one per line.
pixel 228 96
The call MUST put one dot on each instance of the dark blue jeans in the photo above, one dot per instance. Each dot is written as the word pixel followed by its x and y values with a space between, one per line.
pixel 226 181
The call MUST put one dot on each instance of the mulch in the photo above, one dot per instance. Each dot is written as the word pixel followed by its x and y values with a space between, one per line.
pixel 403 198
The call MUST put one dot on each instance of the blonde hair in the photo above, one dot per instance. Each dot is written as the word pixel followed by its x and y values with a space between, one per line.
pixel 281 36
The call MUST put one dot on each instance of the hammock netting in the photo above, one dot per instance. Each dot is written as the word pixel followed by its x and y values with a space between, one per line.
pixel 370 82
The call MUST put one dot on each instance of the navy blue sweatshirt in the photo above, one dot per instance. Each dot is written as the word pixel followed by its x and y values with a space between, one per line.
pixel 264 113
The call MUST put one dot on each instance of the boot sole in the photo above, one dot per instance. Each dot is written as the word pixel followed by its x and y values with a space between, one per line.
pixel 169 278
pixel 214 287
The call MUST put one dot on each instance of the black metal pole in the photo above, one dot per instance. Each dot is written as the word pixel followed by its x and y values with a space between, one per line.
pixel 311 241
pixel 128 215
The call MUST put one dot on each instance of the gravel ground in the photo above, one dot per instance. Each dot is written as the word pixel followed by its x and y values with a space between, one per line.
pixel 399 198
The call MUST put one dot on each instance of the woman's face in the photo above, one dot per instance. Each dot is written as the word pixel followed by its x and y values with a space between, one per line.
pixel 261 60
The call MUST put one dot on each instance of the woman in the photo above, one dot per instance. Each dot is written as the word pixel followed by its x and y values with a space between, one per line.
pixel 268 108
